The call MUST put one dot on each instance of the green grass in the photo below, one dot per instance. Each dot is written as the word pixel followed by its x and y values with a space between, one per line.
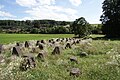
pixel 10 38
pixel 97 36
pixel 93 67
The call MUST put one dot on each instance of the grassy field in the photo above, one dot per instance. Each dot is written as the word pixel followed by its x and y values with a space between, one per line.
pixel 102 63
pixel 10 38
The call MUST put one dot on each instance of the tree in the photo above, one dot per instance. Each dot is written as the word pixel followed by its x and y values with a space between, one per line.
pixel 97 28
pixel 81 27
pixel 34 31
pixel 111 18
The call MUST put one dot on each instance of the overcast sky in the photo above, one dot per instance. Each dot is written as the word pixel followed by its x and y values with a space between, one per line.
pixel 62 10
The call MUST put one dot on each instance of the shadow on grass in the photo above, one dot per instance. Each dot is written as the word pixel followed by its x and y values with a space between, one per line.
pixel 106 38
pixel 100 37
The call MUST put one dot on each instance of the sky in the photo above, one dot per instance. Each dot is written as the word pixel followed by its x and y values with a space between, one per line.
pixel 60 10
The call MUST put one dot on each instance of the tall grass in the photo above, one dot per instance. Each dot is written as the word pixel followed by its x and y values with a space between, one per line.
pixel 100 64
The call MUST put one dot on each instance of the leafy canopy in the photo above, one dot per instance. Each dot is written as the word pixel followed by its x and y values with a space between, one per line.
pixel 81 27
pixel 111 18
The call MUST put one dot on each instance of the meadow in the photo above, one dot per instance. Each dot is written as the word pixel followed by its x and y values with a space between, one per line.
pixel 10 38
pixel 102 62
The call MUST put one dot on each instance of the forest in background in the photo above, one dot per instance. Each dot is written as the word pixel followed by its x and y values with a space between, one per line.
pixel 41 26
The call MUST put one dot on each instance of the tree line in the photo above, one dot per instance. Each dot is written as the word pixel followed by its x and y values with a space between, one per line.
pixel 34 26
pixel 39 26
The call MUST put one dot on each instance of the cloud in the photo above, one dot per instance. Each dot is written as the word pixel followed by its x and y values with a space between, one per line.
pixel 46 9
pixel 32 3
pixel 75 2
pixel 25 18
pixel 6 14
pixel 26 3
pixel 52 12
pixel 46 2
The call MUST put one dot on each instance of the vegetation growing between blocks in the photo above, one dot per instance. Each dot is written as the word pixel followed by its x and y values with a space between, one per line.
pixel 101 61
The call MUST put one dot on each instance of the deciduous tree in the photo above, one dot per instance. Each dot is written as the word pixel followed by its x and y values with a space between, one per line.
pixel 81 27
pixel 111 18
